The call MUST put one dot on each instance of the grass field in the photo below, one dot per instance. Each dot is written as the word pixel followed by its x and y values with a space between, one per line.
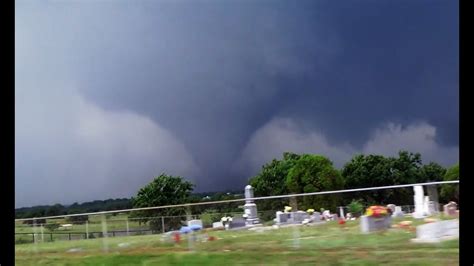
pixel 114 223
pixel 325 244
pixel 117 222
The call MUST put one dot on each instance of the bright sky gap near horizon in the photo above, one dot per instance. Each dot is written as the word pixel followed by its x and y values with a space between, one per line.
pixel 110 94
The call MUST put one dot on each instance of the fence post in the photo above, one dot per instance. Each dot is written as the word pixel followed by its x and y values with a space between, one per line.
pixel 51 235
pixel 105 243
pixel 87 229
pixel 128 230
pixel 42 233
pixel 296 232
pixel 69 236
pixel 163 224
pixel 113 233
pixel 33 234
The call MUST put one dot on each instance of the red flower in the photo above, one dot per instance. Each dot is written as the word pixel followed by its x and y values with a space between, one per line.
pixel 177 238
pixel 342 221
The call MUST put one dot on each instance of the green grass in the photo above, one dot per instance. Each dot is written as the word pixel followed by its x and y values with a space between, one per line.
pixel 117 222
pixel 114 223
pixel 325 244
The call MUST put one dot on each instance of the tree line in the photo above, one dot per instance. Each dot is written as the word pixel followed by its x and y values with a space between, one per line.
pixel 108 205
pixel 302 173
pixel 58 209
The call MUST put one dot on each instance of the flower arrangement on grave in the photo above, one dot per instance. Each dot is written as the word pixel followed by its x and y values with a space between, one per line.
pixel 310 211
pixel 287 209
pixel 407 225
pixel 226 220
pixel 376 211
pixel 177 238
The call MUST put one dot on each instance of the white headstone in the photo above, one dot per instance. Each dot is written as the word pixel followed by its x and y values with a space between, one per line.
pixel 437 231
pixel 250 208
pixel 426 206
pixel 419 202
pixel 398 212
pixel 195 222
pixel 217 225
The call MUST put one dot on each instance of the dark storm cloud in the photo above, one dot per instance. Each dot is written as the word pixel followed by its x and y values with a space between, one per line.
pixel 214 76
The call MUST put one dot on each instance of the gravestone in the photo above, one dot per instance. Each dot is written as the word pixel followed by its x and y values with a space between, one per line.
pixel 370 224
pixel 315 217
pixel 437 231
pixel 432 191
pixel 391 207
pixel 341 211
pixel 326 215
pixel 299 216
pixel 450 209
pixel 419 199
pixel 432 207
pixel 426 206
pixel 398 213
pixel 281 217
pixel 195 222
pixel 217 225
pixel 237 222
pixel 250 208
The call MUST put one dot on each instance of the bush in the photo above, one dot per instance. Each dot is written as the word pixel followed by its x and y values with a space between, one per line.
pixel 267 216
pixel 37 222
pixel 51 227
pixel 355 207
pixel 210 216
pixel 78 219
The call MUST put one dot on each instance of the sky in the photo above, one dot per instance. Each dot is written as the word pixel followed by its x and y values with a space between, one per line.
pixel 110 94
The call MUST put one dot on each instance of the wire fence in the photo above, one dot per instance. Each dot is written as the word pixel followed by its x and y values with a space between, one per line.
pixel 165 219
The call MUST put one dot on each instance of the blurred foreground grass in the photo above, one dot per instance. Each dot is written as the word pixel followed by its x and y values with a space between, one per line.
pixel 325 244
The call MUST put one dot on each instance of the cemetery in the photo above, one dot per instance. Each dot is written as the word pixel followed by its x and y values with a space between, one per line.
pixel 381 234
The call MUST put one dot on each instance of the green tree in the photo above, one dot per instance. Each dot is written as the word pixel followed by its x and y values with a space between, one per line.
pixel 54 210
pixel 313 173
pixel 163 190
pixel 367 171
pixel 450 192
pixel 272 181
pixel 432 172
pixel 377 170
